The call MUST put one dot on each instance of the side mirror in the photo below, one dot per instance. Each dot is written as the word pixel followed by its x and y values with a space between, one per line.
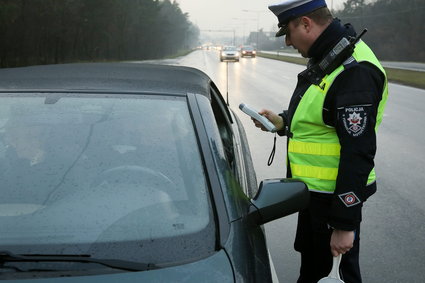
pixel 277 198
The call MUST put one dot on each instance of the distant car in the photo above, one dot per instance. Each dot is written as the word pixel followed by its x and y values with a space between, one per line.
pixel 248 51
pixel 229 53
pixel 121 172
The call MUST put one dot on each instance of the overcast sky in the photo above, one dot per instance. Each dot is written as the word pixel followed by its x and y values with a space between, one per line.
pixel 242 16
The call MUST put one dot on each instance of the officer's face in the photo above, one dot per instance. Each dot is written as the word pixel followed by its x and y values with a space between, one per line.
pixel 297 36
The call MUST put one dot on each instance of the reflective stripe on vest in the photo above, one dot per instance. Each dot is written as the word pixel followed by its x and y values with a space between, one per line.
pixel 314 149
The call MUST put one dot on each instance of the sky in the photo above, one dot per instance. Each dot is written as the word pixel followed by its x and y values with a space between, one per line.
pixel 235 16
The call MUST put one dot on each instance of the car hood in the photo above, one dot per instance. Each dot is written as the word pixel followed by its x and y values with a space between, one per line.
pixel 215 268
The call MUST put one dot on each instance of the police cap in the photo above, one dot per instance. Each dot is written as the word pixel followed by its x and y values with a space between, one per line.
pixel 288 10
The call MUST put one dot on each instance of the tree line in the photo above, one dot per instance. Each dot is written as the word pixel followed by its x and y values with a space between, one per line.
pixel 395 27
pixel 58 31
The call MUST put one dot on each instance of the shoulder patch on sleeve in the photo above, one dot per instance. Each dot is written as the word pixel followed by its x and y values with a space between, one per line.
pixel 355 119
pixel 349 199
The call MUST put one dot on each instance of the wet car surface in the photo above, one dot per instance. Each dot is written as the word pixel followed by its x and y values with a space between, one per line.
pixel 129 172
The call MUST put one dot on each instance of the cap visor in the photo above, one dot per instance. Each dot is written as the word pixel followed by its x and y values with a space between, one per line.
pixel 281 32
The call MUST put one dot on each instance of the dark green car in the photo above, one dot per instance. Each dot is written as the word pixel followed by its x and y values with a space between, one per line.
pixel 121 172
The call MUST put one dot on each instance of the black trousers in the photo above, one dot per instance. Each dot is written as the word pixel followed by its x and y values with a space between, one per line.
pixel 313 242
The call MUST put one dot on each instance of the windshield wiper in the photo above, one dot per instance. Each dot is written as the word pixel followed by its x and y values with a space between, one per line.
pixel 6 256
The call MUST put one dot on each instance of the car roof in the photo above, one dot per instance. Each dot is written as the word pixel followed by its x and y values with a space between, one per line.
pixel 106 77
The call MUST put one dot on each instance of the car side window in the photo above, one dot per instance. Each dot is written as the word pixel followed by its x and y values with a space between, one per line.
pixel 237 152
pixel 237 156
pixel 225 129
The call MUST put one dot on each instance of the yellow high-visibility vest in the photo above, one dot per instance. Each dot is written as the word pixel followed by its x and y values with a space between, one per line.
pixel 314 148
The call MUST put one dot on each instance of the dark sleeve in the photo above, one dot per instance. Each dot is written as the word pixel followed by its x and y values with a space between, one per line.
pixel 351 107
pixel 284 131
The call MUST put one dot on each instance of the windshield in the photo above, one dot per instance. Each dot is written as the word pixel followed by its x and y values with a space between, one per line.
pixel 229 48
pixel 112 177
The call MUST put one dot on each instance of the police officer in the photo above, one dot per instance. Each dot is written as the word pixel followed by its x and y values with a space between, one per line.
pixel 330 125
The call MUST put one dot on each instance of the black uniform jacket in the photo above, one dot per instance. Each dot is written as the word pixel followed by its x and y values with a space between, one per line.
pixel 358 89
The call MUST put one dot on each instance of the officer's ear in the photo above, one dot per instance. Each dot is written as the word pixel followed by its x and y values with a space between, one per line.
pixel 311 28
pixel 306 23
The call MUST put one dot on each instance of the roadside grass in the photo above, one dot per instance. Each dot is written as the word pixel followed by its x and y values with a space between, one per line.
pixel 179 53
pixel 405 77
pixel 289 59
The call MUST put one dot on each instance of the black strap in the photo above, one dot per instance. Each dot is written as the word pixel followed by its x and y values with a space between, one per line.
pixel 271 157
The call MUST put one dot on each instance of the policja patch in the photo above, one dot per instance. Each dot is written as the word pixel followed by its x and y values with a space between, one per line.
pixel 355 120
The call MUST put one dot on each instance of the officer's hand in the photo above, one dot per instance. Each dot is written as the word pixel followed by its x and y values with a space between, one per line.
pixel 273 117
pixel 341 242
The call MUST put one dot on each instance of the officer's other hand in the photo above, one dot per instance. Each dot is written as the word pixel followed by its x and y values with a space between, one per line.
pixel 273 117
pixel 341 241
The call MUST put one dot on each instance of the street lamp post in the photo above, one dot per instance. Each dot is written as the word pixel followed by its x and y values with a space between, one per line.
pixel 243 26
pixel 258 20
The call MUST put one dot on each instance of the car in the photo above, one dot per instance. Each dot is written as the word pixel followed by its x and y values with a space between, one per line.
pixel 248 51
pixel 130 172
pixel 229 53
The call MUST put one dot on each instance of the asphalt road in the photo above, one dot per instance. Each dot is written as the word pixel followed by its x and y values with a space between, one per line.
pixel 393 229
